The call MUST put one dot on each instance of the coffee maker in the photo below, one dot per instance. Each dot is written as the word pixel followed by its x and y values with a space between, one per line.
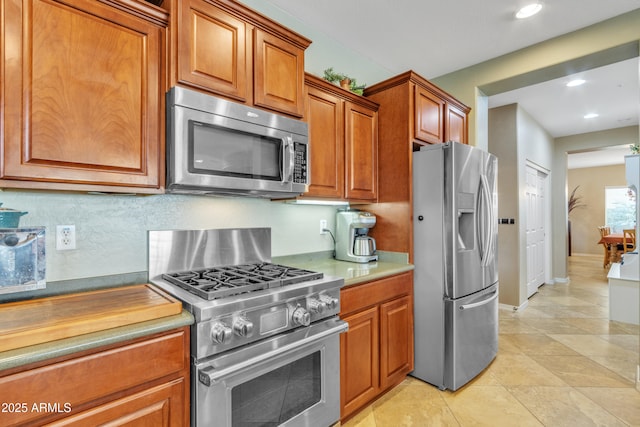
pixel 352 242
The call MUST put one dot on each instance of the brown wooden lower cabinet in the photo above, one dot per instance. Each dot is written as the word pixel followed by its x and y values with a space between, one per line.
pixel 156 406
pixel 376 353
pixel 359 361
pixel 142 382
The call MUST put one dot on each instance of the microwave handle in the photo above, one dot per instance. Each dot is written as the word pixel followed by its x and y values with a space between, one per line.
pixel 288 166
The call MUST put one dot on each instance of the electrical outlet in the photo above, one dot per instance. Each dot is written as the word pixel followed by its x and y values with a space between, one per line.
pixel 323 226
pixel 65 237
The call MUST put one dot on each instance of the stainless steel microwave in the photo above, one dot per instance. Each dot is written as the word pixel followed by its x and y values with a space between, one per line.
pixel 219 147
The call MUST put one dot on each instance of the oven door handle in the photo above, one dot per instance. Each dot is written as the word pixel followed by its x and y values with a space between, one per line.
pixel 210 375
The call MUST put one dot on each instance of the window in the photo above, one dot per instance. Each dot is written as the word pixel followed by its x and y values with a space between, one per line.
pixel 620 208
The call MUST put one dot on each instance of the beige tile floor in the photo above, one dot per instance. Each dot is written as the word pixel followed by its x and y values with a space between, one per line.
pixel 560 363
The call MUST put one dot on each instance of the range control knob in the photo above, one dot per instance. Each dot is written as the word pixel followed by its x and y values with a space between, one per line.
pixel 242 327
pixel 301 317
pixel 329 301
pixel 316 305
pixel 220 333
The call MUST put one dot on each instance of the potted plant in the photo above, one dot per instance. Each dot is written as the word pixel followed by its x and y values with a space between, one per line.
pixel 573 203
pixel 343 80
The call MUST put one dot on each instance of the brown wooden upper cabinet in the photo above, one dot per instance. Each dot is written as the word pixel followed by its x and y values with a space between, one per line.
pixel 437 116
pixel 456 127
pixel 413 113
pixel 429 116
pixel 343 143
pixel 83 95
pixel 227 49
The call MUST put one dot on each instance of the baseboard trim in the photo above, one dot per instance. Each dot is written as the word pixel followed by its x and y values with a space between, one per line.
pixel 562 279
pixel 514 307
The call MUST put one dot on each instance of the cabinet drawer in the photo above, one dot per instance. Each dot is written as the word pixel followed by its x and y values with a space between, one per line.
pixel 74 382
pixel 362 296
pixel 158 406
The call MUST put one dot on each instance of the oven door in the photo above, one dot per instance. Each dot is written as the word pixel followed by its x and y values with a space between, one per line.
pixel 290 380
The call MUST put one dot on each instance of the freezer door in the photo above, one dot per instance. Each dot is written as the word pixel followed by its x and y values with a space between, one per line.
pixel 471 336
pixel 470 219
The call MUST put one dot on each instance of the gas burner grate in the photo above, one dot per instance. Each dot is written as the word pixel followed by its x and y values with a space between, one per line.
pixel 221 282
pixel 214 286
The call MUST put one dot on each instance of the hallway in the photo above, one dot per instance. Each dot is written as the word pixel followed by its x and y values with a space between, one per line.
pixel 560 363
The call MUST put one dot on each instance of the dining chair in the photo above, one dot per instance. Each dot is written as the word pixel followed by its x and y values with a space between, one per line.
pixel 604 230
pixel 629 240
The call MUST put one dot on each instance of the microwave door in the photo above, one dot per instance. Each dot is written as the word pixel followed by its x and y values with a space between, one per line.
pixel 219 147
pixel 217 154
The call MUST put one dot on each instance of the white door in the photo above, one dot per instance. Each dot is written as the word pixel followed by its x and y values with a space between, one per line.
pixel 535 229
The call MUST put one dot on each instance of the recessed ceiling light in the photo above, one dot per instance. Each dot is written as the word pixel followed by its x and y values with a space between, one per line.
pixel 590 116
pixel 529 10
pixel 576 82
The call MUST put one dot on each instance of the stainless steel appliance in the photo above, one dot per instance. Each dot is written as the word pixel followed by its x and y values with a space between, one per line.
pixel 22 259
pixel 456 268
pixel 352 240
pixel 265 346
pixel 215 146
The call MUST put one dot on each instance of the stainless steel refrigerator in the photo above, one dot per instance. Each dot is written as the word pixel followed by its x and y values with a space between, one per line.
pixel 456 269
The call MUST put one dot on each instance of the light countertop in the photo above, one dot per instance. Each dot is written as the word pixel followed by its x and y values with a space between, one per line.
pixel 353 273
pixel 39 352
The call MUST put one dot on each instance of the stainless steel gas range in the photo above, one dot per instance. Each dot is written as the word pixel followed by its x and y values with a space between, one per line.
pixel 265 347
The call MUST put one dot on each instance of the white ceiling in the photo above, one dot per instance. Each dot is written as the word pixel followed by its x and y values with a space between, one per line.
pixel 437 37
pixel 604 157
pixel 611 91
pixel 434 38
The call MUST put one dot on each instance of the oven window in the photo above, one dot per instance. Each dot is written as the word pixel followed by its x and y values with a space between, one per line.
pixel 278 395
pixel 228 152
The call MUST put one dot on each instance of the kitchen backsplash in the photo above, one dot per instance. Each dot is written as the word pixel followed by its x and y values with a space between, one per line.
pixel 111 230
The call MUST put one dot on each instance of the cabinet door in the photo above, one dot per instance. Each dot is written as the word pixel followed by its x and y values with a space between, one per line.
pixel 83 100
pixel 212 47
pixel 396 341
pixel 361 152
pixel 93 377
pixel 162 405
pixel 324 113
pixel 278 74
pixel 456 124
pixel 429 116
pixel 359 362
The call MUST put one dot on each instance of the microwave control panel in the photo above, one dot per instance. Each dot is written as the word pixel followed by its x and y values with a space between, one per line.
pixel 300 169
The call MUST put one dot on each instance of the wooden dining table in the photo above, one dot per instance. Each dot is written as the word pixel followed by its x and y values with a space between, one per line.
pixel 611 241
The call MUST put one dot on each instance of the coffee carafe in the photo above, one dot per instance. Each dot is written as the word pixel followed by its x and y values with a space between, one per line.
pixel 352 240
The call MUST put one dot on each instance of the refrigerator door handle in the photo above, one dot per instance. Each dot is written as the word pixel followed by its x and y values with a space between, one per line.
pixel 486 217
pixel 478 304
